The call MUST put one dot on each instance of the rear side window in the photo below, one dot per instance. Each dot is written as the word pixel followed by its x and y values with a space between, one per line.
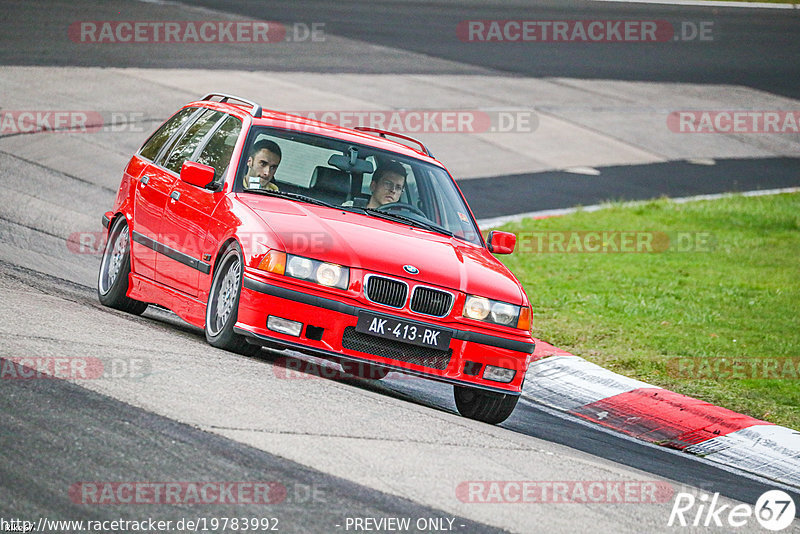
pixel 217 152
pixel 153 145
pixel 189 141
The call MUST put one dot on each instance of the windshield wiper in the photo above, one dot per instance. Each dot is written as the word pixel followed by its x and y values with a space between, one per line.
pixel 352 209
pixel 409 220
pixel 293 196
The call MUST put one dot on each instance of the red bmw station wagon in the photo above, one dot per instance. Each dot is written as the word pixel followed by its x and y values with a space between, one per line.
pixel 272 230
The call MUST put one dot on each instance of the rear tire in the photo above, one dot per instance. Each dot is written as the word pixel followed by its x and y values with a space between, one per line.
pixel 115 266
pixel 223 305
pixel 486 406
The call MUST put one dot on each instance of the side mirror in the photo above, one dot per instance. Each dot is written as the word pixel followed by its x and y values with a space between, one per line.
pixel 501 242
pixel 197 174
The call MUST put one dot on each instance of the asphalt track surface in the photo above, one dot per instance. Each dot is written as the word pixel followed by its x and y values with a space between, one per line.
pixel 751 47
pixel 756 48
pixel 557 189
pixel 53 433
pixel 104 437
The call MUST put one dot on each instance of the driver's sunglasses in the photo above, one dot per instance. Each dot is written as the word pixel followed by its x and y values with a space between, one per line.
pixel 391 186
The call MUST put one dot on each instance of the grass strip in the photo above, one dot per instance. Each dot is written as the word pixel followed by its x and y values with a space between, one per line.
pixel 711 309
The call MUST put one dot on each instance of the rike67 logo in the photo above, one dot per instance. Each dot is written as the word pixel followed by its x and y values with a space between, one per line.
pixel 774 510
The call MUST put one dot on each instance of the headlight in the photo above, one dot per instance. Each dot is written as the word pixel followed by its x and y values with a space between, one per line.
pixel 503 313
pixel 298 267
pixel 329 274
pixel 477 308
pixel 323 273
pixel 491 311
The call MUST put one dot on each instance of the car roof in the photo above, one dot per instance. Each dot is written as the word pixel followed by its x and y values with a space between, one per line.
pixel 278 119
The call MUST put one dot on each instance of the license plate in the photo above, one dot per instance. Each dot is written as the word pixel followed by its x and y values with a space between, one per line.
pixel 411 332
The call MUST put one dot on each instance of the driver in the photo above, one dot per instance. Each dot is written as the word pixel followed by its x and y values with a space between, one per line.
pixel 388 182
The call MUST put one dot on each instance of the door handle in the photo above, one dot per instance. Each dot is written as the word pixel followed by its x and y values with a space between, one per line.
pixel 175 195
pixel 144 180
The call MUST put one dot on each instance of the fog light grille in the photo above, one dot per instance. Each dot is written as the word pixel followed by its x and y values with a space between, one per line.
pixel 395 350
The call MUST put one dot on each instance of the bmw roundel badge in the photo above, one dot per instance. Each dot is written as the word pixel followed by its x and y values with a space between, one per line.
pixel 410 269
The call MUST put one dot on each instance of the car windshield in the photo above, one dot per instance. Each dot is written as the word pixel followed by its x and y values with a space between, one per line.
pixel 350 176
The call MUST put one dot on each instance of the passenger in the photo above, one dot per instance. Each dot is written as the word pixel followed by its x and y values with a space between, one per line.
pixel 265 156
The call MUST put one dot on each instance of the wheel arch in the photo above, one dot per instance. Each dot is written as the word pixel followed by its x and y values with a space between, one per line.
pixel 220 251
pixel 112 220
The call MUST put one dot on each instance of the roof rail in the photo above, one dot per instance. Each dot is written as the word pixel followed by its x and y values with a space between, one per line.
pixel 384 133
pixel 255 112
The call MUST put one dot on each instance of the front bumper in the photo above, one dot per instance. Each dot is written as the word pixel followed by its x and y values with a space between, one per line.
pixel 329 331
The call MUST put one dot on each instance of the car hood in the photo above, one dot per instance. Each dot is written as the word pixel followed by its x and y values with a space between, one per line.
pixel 380 246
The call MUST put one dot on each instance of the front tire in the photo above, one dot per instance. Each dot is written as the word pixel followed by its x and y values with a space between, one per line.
pixel 115 266
pixel 223 305
pixel 486 406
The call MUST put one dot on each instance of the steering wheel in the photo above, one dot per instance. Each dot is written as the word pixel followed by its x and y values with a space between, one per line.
pixel 398 206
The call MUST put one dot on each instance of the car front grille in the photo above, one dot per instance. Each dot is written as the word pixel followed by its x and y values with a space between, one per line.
pixel 431 301
pixel 395 350
pixel 386 291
